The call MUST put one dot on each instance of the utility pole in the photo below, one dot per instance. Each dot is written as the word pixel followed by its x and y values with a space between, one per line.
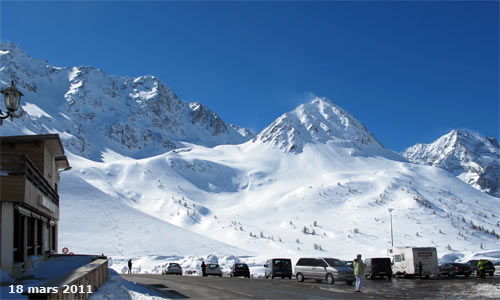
pixel 392 239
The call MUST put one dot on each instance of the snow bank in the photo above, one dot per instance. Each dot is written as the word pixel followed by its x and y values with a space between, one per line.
pixel 190 264
pixel 119 288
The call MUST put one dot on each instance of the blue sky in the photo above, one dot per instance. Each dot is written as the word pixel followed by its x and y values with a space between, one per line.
pixel 410 71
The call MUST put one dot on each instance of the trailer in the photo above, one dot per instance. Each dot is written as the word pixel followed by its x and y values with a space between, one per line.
pixel 405 259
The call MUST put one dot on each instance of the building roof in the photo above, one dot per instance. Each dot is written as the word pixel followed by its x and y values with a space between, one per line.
pixel 53 141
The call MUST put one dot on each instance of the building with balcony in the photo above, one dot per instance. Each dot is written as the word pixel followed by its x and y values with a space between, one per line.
pixel 29 178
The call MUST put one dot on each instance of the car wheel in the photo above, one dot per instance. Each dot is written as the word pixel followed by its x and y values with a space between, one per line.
pixel 467 275
pixel 290 277
pixel 389 277
pixel 330 279
pixel 451 275
pixel 272 276
pixel 491 274
pixel 220 275
pixel 267 277
pixel 282 277
pixel 299 277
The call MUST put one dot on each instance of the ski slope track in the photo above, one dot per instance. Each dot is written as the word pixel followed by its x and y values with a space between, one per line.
pixel 153 175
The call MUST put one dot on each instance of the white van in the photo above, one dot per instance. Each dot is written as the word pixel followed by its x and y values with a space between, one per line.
pixel 405 259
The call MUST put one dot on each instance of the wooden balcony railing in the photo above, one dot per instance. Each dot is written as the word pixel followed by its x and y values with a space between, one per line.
pixel 20 165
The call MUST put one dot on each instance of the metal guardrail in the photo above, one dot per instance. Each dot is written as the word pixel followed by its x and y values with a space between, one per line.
pixel 20 165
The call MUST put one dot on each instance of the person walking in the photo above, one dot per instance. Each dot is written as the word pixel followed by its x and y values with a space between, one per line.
pixel 481 265
pixel 359 272
pixel 203 268
pixel 419 267
pixel 130 266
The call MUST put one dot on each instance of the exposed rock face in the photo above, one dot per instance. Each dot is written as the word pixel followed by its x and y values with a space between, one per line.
pixel 467 155
pixel 319 121
pixel 93 111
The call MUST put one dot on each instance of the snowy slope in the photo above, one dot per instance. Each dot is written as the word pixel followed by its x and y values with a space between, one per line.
pixel 261 199
pixel 93 111
pixel 467 155
pixel 95 222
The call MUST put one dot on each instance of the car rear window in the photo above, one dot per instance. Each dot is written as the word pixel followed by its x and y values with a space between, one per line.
pixel 212 266
pixel 284 264
pixel 174 265
pixel 381 262
pixel 241 266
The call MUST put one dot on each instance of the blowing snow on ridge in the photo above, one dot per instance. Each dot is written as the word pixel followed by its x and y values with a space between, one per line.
pixel 314 182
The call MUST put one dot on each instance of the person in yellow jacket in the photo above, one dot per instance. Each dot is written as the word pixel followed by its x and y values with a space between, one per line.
pixel 359 271
pixel 481 265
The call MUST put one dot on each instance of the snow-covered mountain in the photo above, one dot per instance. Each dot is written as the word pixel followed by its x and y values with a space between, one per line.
pixel 467 155
pixel 94 112
pixel 165 177
pixel 317 122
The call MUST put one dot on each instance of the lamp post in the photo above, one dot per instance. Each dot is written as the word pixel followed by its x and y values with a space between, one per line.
pixel 392 239
pixel 12 98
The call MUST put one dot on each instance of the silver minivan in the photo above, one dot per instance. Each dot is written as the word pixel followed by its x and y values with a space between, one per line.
pixel 329 269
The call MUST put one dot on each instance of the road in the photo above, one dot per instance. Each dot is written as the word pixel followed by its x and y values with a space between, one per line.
pixel 196 287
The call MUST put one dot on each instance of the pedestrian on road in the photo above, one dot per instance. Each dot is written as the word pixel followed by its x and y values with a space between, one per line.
pixel 203 268
pixel 359 271
pixel 130 266
pixel 419 267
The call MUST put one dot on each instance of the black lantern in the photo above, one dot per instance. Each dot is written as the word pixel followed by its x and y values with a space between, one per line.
pixel 12 98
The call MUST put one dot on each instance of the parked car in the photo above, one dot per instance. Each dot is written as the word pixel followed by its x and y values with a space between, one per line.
pixel 490 268
pixel 172 268
pixel 278 267
pixel 349 263
pixel 240 269
pixel 378 266
pixel 453 269
pixel 329 269
pixel 213 269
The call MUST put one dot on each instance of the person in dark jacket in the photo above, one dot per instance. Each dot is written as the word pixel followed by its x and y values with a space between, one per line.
pixel 419 267
pixel 130 266
pixel 203 268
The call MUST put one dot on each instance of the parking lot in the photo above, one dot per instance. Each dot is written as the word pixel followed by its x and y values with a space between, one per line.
pixel 197 287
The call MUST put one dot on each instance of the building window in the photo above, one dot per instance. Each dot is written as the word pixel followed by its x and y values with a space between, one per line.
pixel 31 237
pixel 53 234
pixel 18 237
pixel 39 237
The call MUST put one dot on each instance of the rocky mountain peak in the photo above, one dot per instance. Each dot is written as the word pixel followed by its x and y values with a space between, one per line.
pixel 319 121
pixel 94 111
pixel 467 155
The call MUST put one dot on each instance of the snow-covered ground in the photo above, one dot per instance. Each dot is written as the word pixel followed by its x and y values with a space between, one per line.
pixel 254 199
pixel 117 288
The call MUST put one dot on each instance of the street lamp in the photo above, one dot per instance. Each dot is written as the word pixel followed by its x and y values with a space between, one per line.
pixel 392 239
pixel 12 97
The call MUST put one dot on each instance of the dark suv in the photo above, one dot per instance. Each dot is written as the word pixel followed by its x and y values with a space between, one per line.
pixel 380 266
pixel 490 268
pixel 240 269
pixel 278 267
